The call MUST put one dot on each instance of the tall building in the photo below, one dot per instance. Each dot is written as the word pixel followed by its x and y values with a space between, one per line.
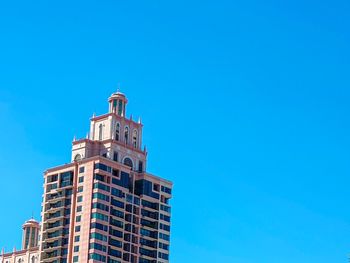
pixel 104 206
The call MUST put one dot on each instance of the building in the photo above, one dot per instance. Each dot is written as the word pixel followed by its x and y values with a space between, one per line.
pixel 104 206
pixel 30 250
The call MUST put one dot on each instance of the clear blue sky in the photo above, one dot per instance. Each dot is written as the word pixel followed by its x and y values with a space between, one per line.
pixel 245 105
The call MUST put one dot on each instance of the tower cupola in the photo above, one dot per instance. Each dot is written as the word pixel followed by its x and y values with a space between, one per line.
pixel 117 103
pixel 30 234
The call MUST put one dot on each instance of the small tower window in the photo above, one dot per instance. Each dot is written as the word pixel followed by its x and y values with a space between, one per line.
pixel 134 138
pixel 120 108
pixel 117 131
pixel 128 162
pixel 77 158
pixel 100 130
pixel 140 166
pixel 115 156
pixel 126 135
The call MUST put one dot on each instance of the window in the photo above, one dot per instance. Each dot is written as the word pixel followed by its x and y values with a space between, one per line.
pixel 117 131
pixel 77 158
pixel 166 189
pixel 126 134
pixel 100 226
pixel 140 166
pixel 128 162
pixel 97 257
pixel 100 216
pixel 156 187
pixel 79 208
pixel 120 107
pixel 80 198
pixel 98 236
pixel 81 169
pixel 98 247
pixel 76 259
pixel 77 229
pixel 76 249
pixel 100 130
pixel 164 236
pixel 134 138
pixel 100 196
pixel 81 179
pixel 76 238
pixel 78 219
pixel 115 156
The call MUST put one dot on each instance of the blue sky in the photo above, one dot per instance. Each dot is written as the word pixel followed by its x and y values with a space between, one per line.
pixel 245 107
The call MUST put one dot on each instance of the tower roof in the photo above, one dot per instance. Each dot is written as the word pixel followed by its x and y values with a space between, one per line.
pixel 31 222
pixel 117 95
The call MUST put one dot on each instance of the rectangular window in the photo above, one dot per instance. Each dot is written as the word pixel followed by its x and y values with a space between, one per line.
pixel 98 257
pixel 98 236
pixel 98 247
pixel 115 156
pixel 103 167
pixel 166 189
pixel 100 196
pixel 81 169
pixel 99 216
pixel 99 177
pixel 101 186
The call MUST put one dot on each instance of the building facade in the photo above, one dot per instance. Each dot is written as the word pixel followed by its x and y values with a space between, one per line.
pixel 104 206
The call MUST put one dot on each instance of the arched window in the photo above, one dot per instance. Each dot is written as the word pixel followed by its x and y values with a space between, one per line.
pixel 126 134
pixel 128 162
pixel 77 158
pixel 100 129
pixel 117 131
pixel 134 138
pixel 33 259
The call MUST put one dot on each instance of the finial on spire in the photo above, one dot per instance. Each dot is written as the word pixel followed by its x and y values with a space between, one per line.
pixel 87 135
pixel 74 138
pixel 139 121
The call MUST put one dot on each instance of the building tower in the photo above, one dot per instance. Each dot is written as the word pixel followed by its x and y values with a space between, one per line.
pixel 104 206
pixel 30 236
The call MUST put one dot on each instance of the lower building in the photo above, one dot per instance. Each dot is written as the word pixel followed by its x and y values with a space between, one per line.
pixel 30 250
